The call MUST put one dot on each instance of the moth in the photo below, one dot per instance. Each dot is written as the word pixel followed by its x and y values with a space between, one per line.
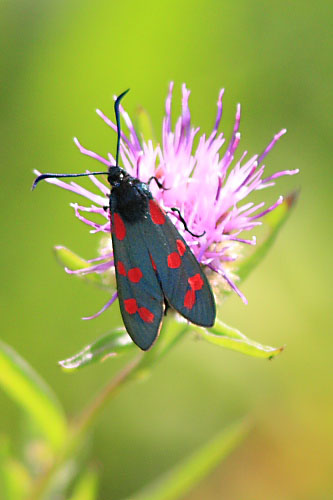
pixel 155 269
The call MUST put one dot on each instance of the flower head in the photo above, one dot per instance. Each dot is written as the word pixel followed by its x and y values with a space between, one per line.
pixel 208 188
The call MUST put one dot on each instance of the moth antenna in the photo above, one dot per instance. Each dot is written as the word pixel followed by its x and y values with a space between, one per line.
pixel 116 111
pixel 55 176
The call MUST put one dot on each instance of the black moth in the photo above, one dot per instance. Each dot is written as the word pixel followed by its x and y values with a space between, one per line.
pixel 154 266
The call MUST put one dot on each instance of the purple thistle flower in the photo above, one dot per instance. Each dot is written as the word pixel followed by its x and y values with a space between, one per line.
pixel 200 182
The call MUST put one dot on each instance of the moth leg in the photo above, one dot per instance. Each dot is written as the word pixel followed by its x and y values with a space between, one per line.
pixel 182 220
pixel 160 185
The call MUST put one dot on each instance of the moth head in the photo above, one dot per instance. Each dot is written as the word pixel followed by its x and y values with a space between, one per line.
pixel 116 175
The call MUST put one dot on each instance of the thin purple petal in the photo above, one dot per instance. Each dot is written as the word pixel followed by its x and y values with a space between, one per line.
pixel 276 204
pixel 230 283
pixel 280 174
pixel 104 308
pixel 219 111
pixel 167 120
pixel 271 144
pixel 114 127
pixel 87 152
pixel 98 268
pixel 107 256
pixel 186 116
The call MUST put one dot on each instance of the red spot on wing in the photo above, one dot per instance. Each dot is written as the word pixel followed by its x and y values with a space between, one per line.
pixel 196 282
pixel 181 247
pixel 121 268
pixel 146 315
pixel 135 274
pixel 119 227
pixel 174 260
pixel 131 306
pixel 189 299
pixel 157 216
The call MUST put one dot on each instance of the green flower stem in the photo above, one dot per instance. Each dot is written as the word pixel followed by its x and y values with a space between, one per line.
pixel 89 415
pixel 82 424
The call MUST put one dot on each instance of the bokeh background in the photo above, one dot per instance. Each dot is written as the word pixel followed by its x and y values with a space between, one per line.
pixel 61 60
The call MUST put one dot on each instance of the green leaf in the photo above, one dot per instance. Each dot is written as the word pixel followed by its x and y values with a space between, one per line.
pixel 226 336
pixel 111 344
pixel 272 222
pixel 185 476
pixel 34 396
pixel 14 477
pixel 119 342
pixel 86 486
pixel 74 262
pixel 14 480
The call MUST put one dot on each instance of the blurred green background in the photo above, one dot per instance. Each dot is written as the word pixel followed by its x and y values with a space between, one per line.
pixel 61 60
